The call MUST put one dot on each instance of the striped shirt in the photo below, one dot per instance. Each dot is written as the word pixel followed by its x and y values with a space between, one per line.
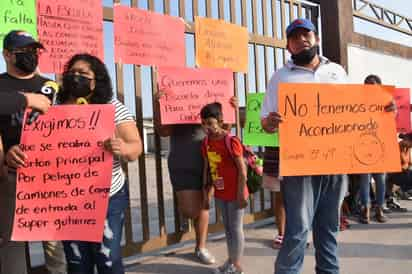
pixel 121 115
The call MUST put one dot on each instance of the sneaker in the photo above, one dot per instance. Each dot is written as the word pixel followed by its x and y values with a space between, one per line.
pixel 394 205
pixel 223 268
pixel 204 256
pixel 233 270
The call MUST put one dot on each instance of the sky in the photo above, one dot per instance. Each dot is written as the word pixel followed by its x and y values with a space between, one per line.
pixel 274 57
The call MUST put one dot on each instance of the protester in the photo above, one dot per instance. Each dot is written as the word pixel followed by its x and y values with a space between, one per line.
pixel 402 179
pixel 18 84
pixel 365 182
pixel 303 212
pixel 86 77
pixel 185 165
pixel 271 182
pixel 228 178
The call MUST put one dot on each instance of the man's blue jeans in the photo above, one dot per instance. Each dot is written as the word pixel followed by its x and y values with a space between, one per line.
pixel 311 202
pixel 364 188
pixel 82 257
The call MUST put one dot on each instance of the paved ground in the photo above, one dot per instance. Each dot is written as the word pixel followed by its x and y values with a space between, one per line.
pixel 375 248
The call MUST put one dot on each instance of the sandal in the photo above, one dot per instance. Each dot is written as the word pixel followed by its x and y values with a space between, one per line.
pixel 277 242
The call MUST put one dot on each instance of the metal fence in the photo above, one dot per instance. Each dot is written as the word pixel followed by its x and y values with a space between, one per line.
pixel 151 221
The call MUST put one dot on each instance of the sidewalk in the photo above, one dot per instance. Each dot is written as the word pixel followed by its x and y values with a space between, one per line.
pixel 374 248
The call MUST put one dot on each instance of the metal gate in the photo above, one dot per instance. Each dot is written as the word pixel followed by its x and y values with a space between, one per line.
pixel 151 221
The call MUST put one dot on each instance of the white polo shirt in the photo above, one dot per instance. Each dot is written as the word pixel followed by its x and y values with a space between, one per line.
pixel 326 72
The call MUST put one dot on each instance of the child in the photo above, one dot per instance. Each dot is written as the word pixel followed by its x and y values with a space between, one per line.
pixel 228 176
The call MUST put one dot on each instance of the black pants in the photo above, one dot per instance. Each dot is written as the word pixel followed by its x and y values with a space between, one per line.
pixel 12 254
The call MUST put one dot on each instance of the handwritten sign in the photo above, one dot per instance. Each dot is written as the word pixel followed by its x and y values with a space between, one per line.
pixel 221 45
pixel 148 38
pixel 403 118
pixel 67 28
pixel 63 190
pixel 188 90
pixel 336 129
pixel 17 15
pixel 253 134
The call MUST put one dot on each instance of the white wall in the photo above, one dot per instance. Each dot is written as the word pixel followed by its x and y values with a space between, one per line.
pixel 392 70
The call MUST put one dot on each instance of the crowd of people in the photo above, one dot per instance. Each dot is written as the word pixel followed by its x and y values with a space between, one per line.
pixel 204 161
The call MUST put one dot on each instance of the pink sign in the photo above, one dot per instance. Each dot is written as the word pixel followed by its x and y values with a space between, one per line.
pixel 403 118
pixel 148 38
pixel 63 190
pixel 187 90
pixel 66 28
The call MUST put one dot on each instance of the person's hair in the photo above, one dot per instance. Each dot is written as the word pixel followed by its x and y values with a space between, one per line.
pixel 103 91
pixel 212 110
pixel 373 79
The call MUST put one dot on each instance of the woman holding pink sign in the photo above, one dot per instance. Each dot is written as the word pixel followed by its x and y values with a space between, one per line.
pixel 87 81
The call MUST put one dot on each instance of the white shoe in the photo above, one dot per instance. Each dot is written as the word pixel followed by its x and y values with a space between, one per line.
pixel 223 268
pixel 204 256
pixel 232 270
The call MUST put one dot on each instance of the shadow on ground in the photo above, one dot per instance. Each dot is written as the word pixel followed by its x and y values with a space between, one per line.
pixel 167 268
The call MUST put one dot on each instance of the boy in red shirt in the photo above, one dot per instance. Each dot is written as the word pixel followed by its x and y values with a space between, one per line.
pixel 226 170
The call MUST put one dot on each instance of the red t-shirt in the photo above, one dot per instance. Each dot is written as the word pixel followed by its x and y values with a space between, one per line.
pixel 222 167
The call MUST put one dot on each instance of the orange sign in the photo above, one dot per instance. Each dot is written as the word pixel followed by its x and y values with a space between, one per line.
pixel 336 129
pixel 63 190
pixel 221 45
pixel 148 38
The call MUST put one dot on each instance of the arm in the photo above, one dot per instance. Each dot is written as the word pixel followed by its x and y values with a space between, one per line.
pixel 270 118
pixel 126 143
pixel 241 181
pixel 207 188
pixel 234 102
pixel 14 102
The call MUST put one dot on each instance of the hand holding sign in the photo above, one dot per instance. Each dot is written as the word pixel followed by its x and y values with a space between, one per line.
pixel 64 183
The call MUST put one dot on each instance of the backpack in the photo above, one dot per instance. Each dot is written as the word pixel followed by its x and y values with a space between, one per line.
pixel 254 165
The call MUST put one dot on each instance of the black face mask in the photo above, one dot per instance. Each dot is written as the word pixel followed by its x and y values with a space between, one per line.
pixel 27 61
pixel 305 56
pixel 76 85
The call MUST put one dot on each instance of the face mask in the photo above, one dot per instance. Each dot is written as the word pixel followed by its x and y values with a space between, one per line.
pixel 27 61
pixel 305 56
pixel 77 85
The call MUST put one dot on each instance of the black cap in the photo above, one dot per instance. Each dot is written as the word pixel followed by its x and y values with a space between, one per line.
pixel 19 39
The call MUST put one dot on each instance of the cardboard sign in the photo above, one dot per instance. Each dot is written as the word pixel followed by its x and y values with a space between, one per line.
pixel 253 134
pixel 187 90
pixel 17 15
pixel 67 28
pixel 336 129
pixel 63 190
pixel 148 38
pixel 403 118
pixel 221 45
